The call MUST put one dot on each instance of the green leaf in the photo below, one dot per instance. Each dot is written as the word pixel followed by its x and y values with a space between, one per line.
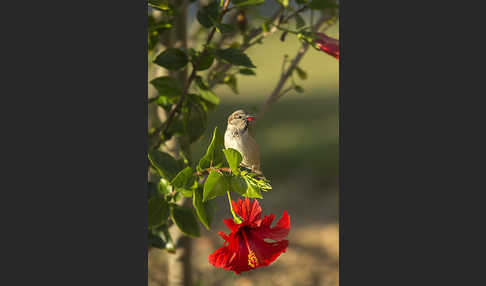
pixel 167 86
pixel 164 163
pixel 238 185
pixel 225 28
pixel 253 191
pixel 235 57
pixel 186 193
pixel 158 212
pixel 208 14
pixel 203 210
pixel 194 118
pixel 301 73
pixel 233 157
pixel 284 3
pixel 162 5
pixel 299 89
pixel 205 61
pixel 216 185
pixel 164 187
pixel 299 21
pixel 205 91
pixel 242 3
pixel 160 238
pixel 185 220
pixel 184 179
pixel 247 72
pixel 322 4
pixel 172 59
pixel 231 81
pixel 214 154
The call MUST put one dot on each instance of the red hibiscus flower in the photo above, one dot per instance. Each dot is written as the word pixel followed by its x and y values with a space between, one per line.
pixel 327 44
pixel 245 248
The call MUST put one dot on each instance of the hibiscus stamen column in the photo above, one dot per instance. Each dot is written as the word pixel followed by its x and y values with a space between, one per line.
pixel 252 259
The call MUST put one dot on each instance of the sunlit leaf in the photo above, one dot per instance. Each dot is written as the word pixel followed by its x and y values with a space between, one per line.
pixel 216 185
pixel 233 157
pixel 214 154
pixel 184 179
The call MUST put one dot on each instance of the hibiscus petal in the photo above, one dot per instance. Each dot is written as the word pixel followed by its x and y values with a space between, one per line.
pixel 224 236
pixel 222 257
pixel 249 211
pixel 266 252
pixel 279 231
pixel 231 224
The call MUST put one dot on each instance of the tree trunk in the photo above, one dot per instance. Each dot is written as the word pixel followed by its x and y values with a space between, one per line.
pixel 179 263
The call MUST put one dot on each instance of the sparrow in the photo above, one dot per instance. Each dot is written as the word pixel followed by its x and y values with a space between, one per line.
pixel 237 136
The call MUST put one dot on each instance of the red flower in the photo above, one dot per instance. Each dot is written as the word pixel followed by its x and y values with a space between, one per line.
pixel 327 44
pixel 246 248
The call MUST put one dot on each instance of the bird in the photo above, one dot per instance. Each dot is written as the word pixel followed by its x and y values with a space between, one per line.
pixel 238 137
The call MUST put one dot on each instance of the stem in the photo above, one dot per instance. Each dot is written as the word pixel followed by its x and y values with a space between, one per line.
pixel 175 110
pixel 236 218
pixel 276 93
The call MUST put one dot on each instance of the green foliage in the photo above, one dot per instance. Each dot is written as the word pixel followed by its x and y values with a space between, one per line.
pixel 165 164
pixel 160 238
pixel 155 28
pixel 158 212
pixel 204 61
pixel 208 15
pixel 247 72
pixel 233 157
pixel 194 117
pixel 299 88
pixel 184 179
pixel 225 28
pixel 284 3
pixel 162 5
pixel 204 210
pixel 205 91
pixel 301 73
pixel 235 57
pixel 167 86
pixel 232 82
pixel 242 3
pixel 185 220
pixel 238 185
pixel 216 184
pixel 172 59
pixel 214 155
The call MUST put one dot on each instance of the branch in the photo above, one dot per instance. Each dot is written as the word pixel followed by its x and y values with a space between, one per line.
pixel 277 94
pixel 206 171
pixel 223 68
pixel 176 108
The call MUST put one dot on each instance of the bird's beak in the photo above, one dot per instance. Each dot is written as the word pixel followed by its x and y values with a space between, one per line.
pixel 251 118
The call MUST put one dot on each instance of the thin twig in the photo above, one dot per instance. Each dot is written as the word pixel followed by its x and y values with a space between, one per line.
pixel 221 69
pixel 276 93
pixel 176 108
